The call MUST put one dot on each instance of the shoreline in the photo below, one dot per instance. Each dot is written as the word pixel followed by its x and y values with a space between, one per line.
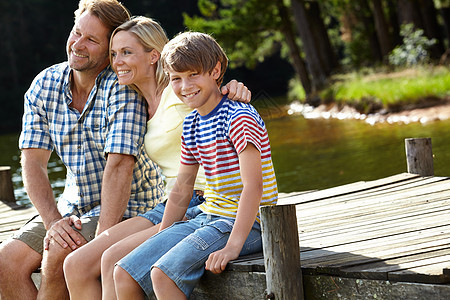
pixel 437 112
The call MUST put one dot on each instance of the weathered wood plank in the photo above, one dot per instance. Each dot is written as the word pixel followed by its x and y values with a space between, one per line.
pixel 12 217
pixel 429 274
pixel 348 189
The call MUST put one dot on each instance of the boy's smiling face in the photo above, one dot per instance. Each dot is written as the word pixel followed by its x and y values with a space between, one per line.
pixel 197 90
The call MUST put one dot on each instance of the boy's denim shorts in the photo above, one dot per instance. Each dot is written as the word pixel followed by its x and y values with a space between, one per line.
pixel 155 214
pixel 182 249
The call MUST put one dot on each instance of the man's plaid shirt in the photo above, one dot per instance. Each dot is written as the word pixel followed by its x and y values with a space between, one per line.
pixel 113 121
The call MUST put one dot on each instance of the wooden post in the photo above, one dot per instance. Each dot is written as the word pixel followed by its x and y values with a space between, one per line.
pixel 419 156
pixel 6 186
pixel 281 252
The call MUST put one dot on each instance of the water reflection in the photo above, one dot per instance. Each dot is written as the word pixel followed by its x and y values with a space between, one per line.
pixel 308 153
pixel 10 156
pixel 320 153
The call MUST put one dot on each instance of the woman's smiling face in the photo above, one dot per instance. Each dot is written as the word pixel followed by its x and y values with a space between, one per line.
pixel 129 59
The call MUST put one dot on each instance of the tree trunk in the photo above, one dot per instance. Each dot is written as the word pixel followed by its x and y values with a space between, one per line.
pixel 366 17
pixel 409 12
pixel 445 13
pixel 431 27
pixel 304 28
pixel 394 23
pixel 294 51
pixel 321 39
pixel 382 29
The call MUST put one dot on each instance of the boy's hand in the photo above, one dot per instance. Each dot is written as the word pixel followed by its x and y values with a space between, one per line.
pixel 217 261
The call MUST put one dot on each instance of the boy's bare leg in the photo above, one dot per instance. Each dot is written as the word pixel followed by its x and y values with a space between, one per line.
pixel 126 287
pixel 17 262
pixel 164 287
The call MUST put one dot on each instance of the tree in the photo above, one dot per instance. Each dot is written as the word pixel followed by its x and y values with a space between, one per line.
pixel 251 31
pixel 423 14
pixel 294 50
pixel 315 41
pixel 382 28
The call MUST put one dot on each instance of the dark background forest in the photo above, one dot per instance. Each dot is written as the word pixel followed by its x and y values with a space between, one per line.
pixel 269 42
pixel 34 34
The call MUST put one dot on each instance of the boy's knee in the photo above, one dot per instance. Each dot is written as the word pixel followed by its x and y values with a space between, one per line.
pixel 120 275
pixel 158 276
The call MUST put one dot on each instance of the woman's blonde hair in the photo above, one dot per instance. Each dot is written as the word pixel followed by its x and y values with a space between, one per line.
pixel 152 36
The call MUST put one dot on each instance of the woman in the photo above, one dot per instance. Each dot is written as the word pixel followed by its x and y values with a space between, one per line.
pixel 135 49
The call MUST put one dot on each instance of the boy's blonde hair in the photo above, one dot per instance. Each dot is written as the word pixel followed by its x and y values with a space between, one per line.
pixel 111 13
pixel 151 36
pixel 194 51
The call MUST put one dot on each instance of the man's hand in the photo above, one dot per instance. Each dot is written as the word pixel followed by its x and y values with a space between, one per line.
pixel 237 91
pixel 61 231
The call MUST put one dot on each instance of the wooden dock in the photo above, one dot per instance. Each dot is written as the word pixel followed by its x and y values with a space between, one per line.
pixel 381 239
pixel 384 239
pixel 12 217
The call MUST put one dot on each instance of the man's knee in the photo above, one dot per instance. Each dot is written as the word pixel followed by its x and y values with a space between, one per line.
pixel 17 259
pixel 54 258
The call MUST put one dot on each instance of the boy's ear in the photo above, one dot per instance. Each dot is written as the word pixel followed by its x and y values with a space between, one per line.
pixel 216 71
pixel 154 56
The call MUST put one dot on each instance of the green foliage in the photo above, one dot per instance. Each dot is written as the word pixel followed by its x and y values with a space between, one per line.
pixel 414 50
pixel 246 29
pixel 390 90
pixel 296 91
pixel 345 18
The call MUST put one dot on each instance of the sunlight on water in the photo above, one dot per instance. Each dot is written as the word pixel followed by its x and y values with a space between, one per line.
pixel 308 153
pixel 320 153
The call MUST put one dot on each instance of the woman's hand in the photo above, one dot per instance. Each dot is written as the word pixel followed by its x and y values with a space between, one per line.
pixel 237 91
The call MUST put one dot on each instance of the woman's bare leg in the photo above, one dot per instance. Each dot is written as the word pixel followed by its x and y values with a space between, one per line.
pixel 82 267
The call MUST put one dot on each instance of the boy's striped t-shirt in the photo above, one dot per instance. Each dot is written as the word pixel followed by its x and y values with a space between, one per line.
pixel 215 141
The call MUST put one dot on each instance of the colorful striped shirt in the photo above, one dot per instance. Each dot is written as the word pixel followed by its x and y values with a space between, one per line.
pixel 215 141
pixel 112 121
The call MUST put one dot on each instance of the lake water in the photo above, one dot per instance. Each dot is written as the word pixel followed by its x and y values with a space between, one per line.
pixel 308 153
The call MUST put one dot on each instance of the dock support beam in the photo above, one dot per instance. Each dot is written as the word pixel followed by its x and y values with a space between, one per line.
pixel 6 186
pixel 281 252
pixel 419 156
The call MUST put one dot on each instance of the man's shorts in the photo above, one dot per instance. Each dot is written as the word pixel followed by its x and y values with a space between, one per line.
pixel 33 232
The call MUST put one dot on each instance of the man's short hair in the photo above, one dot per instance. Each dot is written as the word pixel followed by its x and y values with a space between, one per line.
pixel 194 51
pixel 111 13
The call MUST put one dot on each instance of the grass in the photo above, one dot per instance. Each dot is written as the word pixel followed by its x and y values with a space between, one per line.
pixel 371 89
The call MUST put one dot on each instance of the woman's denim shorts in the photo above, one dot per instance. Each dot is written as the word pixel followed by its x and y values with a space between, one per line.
pixel 155 214
pixel 182 249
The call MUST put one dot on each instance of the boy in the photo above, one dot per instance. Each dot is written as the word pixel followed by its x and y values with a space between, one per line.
pixel 231 143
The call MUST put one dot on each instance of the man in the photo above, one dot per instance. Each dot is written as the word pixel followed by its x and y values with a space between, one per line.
pixel 96 127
